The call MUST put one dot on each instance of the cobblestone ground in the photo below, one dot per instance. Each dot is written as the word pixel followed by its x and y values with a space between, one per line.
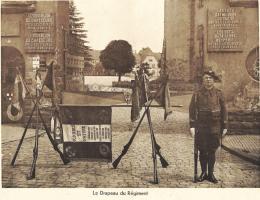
pixel 136 167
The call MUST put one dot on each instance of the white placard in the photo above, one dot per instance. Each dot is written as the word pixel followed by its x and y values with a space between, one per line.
pixel 36 62
pixel 86 133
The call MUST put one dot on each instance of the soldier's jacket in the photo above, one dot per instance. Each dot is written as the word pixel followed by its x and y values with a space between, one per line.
pixel 208 114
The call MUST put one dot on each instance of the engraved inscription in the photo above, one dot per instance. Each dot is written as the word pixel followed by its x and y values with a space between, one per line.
pixel 225 29
pixel 40 35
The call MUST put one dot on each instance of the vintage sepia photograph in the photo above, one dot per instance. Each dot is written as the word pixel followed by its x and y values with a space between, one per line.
pixel 132 94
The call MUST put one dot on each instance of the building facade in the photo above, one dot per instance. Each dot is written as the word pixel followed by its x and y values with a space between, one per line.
pixel 31 32
pixel 222 34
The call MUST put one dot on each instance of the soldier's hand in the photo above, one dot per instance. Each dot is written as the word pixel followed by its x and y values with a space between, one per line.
pixel 224 133
pixel 192 132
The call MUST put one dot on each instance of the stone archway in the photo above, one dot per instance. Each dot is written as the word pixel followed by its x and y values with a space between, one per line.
pixel 10 59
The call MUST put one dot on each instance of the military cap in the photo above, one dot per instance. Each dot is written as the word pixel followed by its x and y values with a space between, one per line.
pixel 212 74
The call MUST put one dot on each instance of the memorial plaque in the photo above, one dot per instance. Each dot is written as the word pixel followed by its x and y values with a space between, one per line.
pixel 40 32
pixel 225 29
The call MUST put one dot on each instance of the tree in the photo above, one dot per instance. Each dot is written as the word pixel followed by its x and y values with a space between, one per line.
pixel 78 35
pixel 118 55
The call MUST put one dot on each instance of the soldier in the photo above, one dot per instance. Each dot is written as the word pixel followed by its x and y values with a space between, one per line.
pixel 208 122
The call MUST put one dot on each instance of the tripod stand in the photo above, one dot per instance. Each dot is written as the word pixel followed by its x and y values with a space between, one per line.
pixel 155 146
pixel 36 108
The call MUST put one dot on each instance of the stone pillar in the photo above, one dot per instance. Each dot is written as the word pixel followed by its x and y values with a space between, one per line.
pixel 177 36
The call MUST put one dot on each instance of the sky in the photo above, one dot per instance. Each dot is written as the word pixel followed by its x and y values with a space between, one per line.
pixel 140 22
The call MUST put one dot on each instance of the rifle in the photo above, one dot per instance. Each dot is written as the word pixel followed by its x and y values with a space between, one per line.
pixel 196 152
pixel 151 132
pixel 31 175
pixel 36 107
pixel 164 163
pixel 64 159
pixel 126 147
pixel 195 159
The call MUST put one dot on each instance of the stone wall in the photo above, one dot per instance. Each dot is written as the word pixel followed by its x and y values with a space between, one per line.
pixel 176 32
pixel 36 30
pixel 220 33
pixel 244 122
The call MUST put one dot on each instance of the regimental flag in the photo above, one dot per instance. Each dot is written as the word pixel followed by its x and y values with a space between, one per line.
pixel 163 97
pixel 23 88
pixel 86 123
pixel 145 94
pixel 49 79
pixel 141 95
pixel 19 94
pixel 136 107
pixel 167 101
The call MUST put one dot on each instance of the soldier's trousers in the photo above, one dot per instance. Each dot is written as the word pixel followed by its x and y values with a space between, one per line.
pixel 207 160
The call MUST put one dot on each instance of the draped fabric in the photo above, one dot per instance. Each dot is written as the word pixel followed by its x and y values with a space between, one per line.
pixel 141 94
pixel 19 93
pixel 136 106
pixel 163 97
pixel 49 77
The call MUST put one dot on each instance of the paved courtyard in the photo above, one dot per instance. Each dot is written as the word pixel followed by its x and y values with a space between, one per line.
pixel 136 167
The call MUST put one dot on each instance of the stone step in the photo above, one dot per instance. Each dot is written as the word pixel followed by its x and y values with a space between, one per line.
pixel 244 131
pixel 244 122
pixel 244 125
pixel 244 118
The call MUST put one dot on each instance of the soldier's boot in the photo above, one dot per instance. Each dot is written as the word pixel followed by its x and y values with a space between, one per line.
pixel 211 163
pixel 203 163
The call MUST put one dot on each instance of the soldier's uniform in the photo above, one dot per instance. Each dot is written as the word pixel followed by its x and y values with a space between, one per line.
pixel 208 115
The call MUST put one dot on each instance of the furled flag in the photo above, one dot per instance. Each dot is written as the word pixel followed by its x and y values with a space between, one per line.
pixel 145 94
pixel 49 77
pixel 163 97
pixel 19 93
pixel 23 88
pixel 136 107
pixel 140 92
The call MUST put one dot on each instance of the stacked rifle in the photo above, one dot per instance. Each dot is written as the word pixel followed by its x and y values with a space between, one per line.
pixel 36 109
pixel 155 147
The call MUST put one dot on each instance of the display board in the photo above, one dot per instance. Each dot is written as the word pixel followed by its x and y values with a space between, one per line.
pixel 87 131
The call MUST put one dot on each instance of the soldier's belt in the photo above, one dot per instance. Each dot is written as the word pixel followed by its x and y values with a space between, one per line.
pixel 209 115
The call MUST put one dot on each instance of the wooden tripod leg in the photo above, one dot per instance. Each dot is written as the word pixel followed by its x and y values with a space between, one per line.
pixel 24 133
pixel 54 144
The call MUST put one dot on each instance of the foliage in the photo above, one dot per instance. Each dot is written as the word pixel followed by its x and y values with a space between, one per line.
pixel 78 34
pixel 118 55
